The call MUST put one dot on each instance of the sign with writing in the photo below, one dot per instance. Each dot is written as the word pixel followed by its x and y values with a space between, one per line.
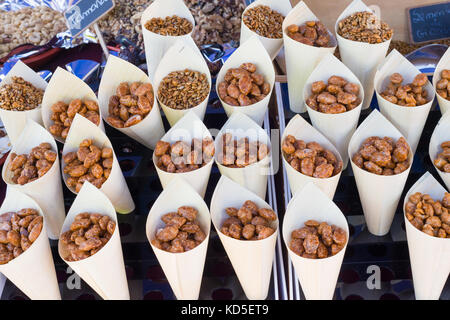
pixel 428 23
pixel 86 12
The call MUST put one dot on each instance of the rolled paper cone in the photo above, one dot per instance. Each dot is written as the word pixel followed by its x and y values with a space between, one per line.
pixel 156 44
pixel 252 260
pixel 273 46
pixel 250 51
pixel 301 129
pixel 444 63
pixel 184 271
pixel 188 128
pixel 115 187
pixel 65 86
pixel 430 256
pixel 317 277
pixel 361 57
pixel 105 270
pixel 379 206
pixel 150 129
pixel 51 200
pixel 182 55
pixel 33 272
pixel 15 121
pixel 332 125
pixel 252 177
pixel 440 134
pixel 298 70
pixel 409 120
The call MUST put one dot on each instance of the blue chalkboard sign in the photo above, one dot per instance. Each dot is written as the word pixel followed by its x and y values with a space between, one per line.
pixel 428 23
pixel 85 12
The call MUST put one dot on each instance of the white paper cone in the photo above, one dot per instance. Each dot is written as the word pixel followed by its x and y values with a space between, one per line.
pixel 361 57
pixel 105 270
pixel 430 256
pixel 379 194
pixel 317 277
pixel 155 44
pixel 252 260
pixel 184 271
pixel 338 128
pixel 252 177
pixel 15 121
pixel 441 134
pixel 273 46
pixel 444 63
pixel 47 190
pixel 298 69
pixel 250 51
pixel 150 129
pixel 115 187
pixel 33 272
pixel 409 120
pixel 301 129
pixel 189 127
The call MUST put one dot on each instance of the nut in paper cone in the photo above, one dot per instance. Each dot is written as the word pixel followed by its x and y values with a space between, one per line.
pixel 33 272
pixel 184 271
pixel 379 194
pixel 250 51
pixel 252 177
pixel 65 86
pixel 338 128
pixel 441 134
pixel 105 270
pixel 301 59
pixel 182 55
pixel 189 127
pixel 301 129
pixel 252 260
pixel 361 57
pixel 273 46
pixel 15 121
pixel 115 187
pixel 150 129
pixel 409 120
pixel 155 44
pixel 430 256
pixel 317 277
pixel 444 63
pixel 47 190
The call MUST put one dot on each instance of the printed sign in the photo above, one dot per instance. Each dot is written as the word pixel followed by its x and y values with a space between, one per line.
pixel 428 23
pixel 86 12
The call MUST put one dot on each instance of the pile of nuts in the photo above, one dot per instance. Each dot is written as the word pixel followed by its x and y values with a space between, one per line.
pixel 318 240
pixel 63 114
pixel 243 86
pixel 183 89
pixel 18 231
pixel 311 158
pixel 364 27
pixel 88 233
pixel 442 162
pixel 428 215
pixel 383 156
pixel 29 167
pixel 20 95
pixel 181 232
pixel 131 104
pixel 264 21
pixel 249 222
pixel 312 33
pixel 169 26
pixel 443 85
pixel 89 163
pixel 181 157
pixel 336 96
pixel 409 95
pixel 241 153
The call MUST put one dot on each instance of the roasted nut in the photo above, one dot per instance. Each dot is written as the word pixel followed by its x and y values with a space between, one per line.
pixel 443 159
pixel 264 21
pixel 19 95
pixel 169 26
pixel 442 86
pixel 310 33
pixel 398 94
pixel 364 27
